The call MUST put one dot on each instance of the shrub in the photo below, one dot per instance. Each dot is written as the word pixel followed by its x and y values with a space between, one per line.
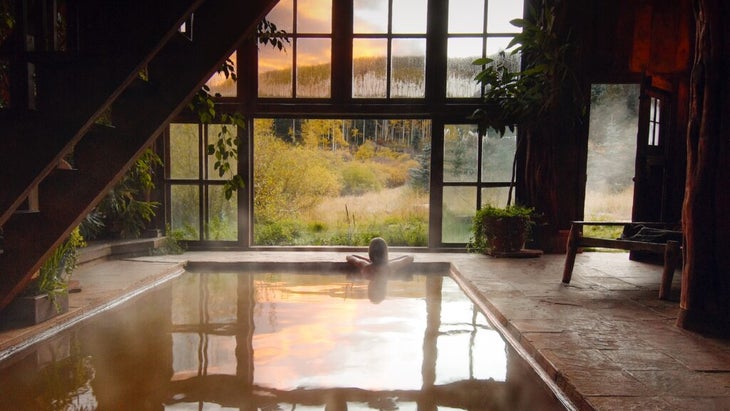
pixel 394 174
pixel 357 179
pixel 290 180
pixel 283 232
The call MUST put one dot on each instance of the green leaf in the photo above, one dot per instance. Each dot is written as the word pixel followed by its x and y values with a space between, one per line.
pixel 518 22
pixel 482 61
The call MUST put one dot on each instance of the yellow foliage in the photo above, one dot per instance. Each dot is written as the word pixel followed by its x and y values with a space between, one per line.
pixel 289 180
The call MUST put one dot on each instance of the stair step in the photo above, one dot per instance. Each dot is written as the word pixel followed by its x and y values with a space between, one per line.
pixel 38 147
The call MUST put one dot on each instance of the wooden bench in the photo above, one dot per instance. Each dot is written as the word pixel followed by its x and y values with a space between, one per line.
pixel 670 249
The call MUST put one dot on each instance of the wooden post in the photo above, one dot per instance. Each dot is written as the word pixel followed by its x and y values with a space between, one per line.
pixel 671 259
pixel 705 298
pixel 571 249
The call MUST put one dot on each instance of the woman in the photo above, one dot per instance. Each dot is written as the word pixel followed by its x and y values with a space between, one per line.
pixel 377 268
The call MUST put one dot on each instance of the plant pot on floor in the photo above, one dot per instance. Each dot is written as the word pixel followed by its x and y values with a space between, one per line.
pixel 505 234
pixel 502 232
pixel 28 310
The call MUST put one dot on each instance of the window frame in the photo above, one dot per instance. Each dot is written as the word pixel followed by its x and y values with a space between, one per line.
pixel 435 106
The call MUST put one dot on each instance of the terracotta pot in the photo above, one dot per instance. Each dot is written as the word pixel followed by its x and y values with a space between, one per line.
pixel 506 234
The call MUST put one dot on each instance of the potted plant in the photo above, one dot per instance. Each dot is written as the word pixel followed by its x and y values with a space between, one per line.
pixel 47 294
pixel 501 231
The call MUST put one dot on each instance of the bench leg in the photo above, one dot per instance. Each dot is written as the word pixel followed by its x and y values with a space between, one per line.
pixel 571 249
pixel 671 259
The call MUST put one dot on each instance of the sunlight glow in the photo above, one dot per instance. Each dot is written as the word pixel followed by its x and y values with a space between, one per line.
pixel 283 15
pixel 314 16
pixel 219 84
pixel 472 31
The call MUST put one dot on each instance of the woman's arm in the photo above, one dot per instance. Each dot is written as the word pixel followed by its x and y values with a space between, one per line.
pixel 358 261
pixel 400 262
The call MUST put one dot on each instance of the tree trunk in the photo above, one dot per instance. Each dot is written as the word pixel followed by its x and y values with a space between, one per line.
pixel 547 164
pixel 705 299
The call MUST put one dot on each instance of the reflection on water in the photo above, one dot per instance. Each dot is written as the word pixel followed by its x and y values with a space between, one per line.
pixel 279 341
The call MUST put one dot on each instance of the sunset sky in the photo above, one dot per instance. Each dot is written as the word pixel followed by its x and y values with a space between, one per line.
pixel 409 16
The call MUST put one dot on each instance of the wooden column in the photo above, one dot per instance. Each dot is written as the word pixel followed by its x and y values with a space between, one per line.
pixel 705 299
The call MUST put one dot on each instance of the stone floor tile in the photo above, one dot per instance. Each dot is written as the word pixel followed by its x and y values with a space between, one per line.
pixel 699 403
pixel 635 359
pixel 605 383
pixel 579 360
pixel 704 359
pixel 684 383
pixel 630 404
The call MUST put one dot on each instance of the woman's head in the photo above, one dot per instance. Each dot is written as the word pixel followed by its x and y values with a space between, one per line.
pixel 378 251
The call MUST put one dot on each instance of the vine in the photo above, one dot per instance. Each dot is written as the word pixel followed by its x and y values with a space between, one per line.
pixel 225 148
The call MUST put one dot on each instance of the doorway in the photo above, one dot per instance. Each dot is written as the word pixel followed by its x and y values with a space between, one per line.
pixel 612 152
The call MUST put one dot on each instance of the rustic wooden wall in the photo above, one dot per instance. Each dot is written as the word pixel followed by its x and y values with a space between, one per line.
pixel 618 41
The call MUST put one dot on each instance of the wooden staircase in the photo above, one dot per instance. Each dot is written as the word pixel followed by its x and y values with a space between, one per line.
pixel 100 78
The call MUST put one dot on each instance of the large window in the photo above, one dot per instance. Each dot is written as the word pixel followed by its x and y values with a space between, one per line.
pixel 197 207
pixel 341 182
pixel 359 127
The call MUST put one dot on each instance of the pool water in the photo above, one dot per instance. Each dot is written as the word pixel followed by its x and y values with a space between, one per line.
pixel 280 341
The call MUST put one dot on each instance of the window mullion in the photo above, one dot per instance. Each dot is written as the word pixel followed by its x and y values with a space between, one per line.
pixel 436 45
pixel 342 36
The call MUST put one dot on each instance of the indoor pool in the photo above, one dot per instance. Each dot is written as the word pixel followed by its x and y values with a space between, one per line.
pixel 280 340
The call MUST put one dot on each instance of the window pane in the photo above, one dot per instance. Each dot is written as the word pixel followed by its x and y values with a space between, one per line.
pixel 459 70
pixel 370 16
pixel 495 196
pixel 654 122
pixel 500 13
pixel 220 84
pixel 341 182
pixel 409 16
pixel 466 16
pixel 497 51
pixel 222 215
pixel 459 207
pixel 497 44
pixel 184 150
pixel 369 68
pixel 460 153
pixel 283 15
pixel 497 155
pixel 185 211
pixel 408 68
pixel 313 67
pixel 215 132
pixel 275 73
pixel 314 16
